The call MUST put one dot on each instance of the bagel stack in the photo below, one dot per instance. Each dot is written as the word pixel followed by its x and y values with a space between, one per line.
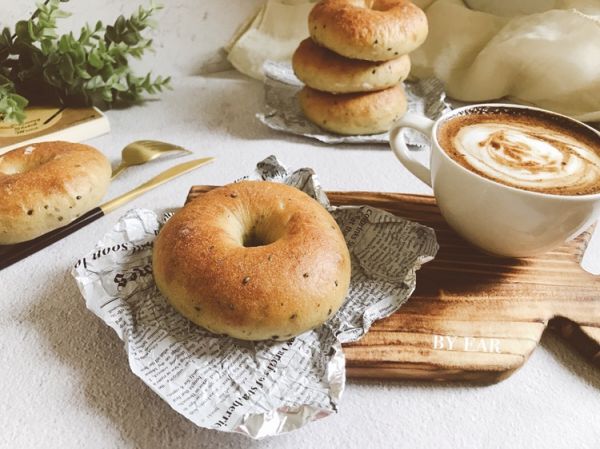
pixel 354 62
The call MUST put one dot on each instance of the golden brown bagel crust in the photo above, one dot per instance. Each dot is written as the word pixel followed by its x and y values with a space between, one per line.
pixel 359 113
pixel 46 185
pixel 327 71
pixel 295 280
pixel 373 30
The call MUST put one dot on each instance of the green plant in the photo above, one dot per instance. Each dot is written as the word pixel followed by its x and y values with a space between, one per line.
pixel 38 65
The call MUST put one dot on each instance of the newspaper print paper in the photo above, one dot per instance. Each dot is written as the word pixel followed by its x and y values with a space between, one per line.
pixel 254 388
pixel 283 113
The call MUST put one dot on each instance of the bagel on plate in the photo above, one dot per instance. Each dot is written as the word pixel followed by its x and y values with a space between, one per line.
pixel 373 30
pixel 44 186
pixel 324 70
pixel 254 260
pixel 357 113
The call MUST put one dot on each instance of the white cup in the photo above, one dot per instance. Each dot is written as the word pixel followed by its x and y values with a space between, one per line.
pixel 499 219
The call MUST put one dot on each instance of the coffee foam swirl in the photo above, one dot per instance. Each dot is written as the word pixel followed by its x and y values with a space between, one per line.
pixel 530 157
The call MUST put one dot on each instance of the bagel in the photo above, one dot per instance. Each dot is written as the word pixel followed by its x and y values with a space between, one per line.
pixel 46 185
pixel 358 113
pixel 373 30
pixel 325 70
pixel 254 260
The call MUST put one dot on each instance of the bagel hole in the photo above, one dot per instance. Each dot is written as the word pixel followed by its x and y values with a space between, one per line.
pixel 254 239
pixel 261 235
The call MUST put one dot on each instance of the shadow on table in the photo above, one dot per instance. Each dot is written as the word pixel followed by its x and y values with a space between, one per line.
pixel 236 105
pixel 570 359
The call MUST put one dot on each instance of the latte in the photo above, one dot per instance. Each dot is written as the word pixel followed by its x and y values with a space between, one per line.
pixel 531 152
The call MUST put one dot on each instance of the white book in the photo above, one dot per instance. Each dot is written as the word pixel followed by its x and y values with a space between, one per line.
pixel 51 123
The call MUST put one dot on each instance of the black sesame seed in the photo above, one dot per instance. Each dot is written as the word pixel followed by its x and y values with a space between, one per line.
pixel 336 283
pixel 373 71
pixel 197 308
pixel 389 49
pixel 60 218
pixel 233 195
pixel 78 197
pixel 274 337
pixel 293 316
pixel 305 275
pixel 45 206
pixel 376 42
pixel 329 312
pixel 30 212
pixel 396 53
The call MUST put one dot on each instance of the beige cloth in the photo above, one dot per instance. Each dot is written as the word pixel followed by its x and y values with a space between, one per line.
pixel 273 33
pixel 550 58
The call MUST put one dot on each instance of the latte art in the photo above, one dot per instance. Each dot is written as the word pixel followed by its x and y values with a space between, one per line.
pixel 529 156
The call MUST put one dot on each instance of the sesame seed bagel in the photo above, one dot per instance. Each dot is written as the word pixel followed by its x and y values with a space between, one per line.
pixel 327 71
pixel 373 30
pixel 254 260
pixel 46 185
pixel 357 113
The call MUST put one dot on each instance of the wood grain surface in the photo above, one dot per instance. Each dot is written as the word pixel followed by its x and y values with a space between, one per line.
pixel 474 317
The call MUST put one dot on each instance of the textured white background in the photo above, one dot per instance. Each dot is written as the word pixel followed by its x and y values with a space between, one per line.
pixel 64 379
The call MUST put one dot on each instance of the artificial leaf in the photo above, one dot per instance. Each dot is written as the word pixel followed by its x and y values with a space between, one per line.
pixel 92 68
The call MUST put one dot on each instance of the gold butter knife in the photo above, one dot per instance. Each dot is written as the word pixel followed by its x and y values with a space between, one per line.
pixel 10 254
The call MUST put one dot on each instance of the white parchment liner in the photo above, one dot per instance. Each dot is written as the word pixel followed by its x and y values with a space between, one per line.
pixel 255 388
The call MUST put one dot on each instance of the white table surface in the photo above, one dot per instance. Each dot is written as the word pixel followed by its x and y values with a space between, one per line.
pixel 64 378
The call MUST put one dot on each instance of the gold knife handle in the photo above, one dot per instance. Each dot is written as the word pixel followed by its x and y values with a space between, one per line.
pixel 13 253
pixel 165 176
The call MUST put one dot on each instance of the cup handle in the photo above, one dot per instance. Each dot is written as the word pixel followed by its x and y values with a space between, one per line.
pixel 401 151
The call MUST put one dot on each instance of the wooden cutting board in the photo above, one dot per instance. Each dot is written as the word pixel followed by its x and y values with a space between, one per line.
pixel 474 317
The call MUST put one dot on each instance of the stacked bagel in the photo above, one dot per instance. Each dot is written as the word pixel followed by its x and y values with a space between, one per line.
pixel 354 63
